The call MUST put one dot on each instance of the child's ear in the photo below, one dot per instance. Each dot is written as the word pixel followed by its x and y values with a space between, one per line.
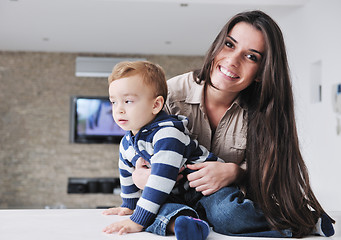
pixel 158 104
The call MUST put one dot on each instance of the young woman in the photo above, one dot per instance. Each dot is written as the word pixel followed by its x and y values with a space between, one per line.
pixel 240 107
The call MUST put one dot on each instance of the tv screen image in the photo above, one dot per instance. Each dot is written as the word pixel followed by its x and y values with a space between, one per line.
pixel 92 121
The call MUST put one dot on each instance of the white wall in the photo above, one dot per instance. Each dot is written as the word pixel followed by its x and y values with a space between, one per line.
pixel 313 33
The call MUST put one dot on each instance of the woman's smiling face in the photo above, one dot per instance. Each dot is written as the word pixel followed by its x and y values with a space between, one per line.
pixel 236 65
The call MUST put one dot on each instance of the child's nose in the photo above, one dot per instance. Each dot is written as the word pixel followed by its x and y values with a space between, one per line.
pixel 120 109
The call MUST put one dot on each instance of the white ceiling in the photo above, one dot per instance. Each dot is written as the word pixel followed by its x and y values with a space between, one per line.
pixel 167 27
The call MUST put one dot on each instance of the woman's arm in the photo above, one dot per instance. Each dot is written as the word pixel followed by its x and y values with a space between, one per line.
pixel 209 177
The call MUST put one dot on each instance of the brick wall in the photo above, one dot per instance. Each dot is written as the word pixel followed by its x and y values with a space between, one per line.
pixel 36 158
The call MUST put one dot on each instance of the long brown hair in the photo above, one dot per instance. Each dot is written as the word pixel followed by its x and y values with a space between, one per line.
pixel 277 177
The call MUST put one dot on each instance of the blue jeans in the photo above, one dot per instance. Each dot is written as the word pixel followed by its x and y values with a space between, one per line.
pixel 227 213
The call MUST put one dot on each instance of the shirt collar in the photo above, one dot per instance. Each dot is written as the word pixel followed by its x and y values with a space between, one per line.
pixel 196 93
pixel 196 96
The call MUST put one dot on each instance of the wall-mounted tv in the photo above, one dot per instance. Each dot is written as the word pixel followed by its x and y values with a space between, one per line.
pixel 91 121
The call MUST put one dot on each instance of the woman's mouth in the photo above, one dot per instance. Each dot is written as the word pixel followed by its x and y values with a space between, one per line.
pixel 227 73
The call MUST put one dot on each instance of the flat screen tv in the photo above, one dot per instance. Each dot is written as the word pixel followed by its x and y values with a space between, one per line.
pixel 91 121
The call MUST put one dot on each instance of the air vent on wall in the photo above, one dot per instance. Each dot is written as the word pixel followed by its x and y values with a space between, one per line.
pixel 98 66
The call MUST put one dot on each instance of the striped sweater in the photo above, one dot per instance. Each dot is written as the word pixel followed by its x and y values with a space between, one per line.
pixel 166 145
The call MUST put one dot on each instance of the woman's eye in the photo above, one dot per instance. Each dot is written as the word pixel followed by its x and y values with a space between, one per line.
pixel 229 44
pixel 252 57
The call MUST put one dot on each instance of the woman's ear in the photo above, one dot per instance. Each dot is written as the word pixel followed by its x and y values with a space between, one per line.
pixel 158 104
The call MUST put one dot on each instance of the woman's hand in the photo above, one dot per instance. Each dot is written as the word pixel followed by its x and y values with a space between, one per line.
pixel 141 173
pixel 212 176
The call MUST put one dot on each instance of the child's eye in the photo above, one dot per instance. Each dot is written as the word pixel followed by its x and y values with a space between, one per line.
pixel 128 101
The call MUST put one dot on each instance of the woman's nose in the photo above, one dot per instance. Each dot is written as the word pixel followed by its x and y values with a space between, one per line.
pixel 234 59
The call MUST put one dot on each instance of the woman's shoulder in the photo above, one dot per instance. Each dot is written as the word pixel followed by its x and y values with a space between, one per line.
pixel 180 86
pixel 182 79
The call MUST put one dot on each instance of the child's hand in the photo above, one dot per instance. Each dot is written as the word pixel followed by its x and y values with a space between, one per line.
pixel 118 211
pixel 122 227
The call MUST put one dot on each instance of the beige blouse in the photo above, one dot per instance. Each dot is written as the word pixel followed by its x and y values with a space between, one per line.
pixel 185 97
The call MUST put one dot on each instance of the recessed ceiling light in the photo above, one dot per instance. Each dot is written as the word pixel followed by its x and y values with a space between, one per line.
pixel 183 4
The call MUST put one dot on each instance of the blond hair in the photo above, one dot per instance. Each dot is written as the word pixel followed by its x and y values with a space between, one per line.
pixel 152 75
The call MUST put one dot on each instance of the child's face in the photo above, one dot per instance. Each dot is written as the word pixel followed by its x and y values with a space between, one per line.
pixel 132 103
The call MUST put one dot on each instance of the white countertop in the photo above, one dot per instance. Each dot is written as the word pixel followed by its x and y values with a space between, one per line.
pixel 82 224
